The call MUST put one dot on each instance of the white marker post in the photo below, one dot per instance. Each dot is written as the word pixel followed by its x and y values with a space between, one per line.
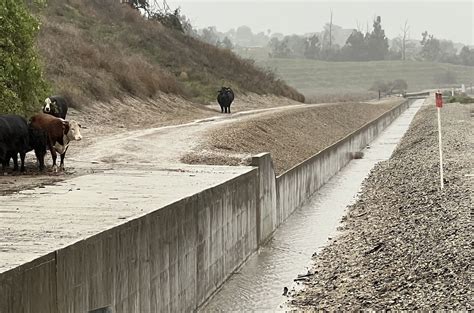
pixel 439 105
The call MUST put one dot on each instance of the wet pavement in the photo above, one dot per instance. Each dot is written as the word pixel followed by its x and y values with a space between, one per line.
pixel 258 285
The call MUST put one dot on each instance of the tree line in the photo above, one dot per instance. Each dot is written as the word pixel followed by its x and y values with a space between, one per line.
pixel 369 46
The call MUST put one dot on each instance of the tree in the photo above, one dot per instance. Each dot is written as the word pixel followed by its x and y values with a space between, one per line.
pixel 227 44
pixel 396 49
pixel 330 32
pixel 243 35
pixel 312 47
pixel 356 47
pixel 377 42
pixel 404 36
pixel 466 56
pixel 209 35
pixel 140 5
pixel 22 86
pixel 279 48
pixel 431 49
pixel 379 86
pixel 167 19
pixel 399 85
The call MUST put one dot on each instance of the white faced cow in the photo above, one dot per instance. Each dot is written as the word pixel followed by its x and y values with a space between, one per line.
pixel 59 133
pixel 56 106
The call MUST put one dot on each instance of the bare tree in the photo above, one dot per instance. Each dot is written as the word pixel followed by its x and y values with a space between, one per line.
pixel 359 26
pixel 330 31
pixel 405 30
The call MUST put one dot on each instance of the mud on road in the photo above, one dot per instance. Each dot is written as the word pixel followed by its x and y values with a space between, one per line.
pixel 120 122
pixel 144 138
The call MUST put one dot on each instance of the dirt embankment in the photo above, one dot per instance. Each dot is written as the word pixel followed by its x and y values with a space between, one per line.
pixel 405 245
pixel 290 136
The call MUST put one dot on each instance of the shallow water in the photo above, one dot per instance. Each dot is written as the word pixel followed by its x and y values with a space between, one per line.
pixel 258 284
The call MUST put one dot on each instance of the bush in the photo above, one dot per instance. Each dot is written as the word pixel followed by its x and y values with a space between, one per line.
pixel 22 86
pixel 461 99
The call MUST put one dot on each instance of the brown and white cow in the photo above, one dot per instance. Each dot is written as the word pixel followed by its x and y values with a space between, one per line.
pixel 59 134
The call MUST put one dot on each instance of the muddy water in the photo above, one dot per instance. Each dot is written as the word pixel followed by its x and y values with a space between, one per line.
pixel 258 284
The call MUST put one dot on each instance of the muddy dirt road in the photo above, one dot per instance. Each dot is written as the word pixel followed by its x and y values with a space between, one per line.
pixel 160 147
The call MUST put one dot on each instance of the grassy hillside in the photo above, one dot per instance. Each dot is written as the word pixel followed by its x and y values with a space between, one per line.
pixel 103 50
pixel 319 78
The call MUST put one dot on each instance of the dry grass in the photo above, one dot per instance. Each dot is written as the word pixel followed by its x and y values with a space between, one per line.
pixel 101 50
pixel 323 97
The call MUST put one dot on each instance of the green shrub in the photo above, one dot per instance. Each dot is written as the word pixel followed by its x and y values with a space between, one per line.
pixel 461 99
pixel 22 86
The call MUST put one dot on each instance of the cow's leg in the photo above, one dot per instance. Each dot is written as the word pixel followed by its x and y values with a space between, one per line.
pixel 54 155
pixel 61 166
pixel 40 157
pixel 14 156
pixel 22 160
pixel 229 109
pixel 222 109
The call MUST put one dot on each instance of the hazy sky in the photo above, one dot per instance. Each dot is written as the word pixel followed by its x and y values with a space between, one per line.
pixel 445 19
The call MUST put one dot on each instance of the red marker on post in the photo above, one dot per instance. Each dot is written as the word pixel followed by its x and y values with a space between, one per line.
pixel 439 105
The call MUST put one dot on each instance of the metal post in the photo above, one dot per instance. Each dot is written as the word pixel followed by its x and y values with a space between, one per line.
pixel 440 149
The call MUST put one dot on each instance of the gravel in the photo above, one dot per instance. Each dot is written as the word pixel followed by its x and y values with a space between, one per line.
pixel 405 244
pixel 290 136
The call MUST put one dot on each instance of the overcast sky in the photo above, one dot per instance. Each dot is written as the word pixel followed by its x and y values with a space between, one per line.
pixel 444 19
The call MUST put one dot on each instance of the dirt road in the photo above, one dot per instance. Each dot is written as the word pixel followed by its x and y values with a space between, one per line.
pixel 165 146
pixel 128 134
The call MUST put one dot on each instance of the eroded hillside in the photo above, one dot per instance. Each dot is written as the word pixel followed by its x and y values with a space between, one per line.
pixel 101 50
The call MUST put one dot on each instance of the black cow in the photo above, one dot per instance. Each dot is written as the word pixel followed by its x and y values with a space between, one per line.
pixel 14 139
pixel 56 106
pixel 225 96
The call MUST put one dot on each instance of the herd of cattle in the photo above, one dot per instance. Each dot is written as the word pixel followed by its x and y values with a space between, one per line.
pixel 51 131
pixel 46 130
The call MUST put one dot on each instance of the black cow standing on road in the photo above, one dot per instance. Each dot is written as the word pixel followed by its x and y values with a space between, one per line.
pixel 56 106
pixel 17 137
pixel 225 97
pixel 14 139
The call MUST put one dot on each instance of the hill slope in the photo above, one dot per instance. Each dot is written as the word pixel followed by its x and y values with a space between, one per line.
pixel 103 50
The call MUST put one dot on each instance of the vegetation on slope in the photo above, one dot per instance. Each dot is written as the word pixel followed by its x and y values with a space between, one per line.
pixel 21 81
pixel 101 50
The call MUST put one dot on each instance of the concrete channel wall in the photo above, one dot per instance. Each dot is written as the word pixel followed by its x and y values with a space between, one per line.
pixel 171 259
pixel 176 257
pixel 292 188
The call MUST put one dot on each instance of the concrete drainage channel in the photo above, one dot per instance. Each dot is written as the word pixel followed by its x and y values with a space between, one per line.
pixel 259 283
pixel 172 255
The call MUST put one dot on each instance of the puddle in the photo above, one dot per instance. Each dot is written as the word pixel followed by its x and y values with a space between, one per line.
pixel 259 284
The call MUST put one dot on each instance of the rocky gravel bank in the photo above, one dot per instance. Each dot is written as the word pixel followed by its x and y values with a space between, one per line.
pixel 405 244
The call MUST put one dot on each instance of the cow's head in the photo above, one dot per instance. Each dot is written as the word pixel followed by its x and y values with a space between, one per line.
pixel 47 105
pixel 72 130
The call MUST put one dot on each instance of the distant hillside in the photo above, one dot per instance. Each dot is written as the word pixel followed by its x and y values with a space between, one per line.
pixel 319 78
pixel 103 50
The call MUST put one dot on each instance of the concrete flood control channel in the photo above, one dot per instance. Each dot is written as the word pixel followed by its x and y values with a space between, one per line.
pixel 258 284
pixel 156 240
